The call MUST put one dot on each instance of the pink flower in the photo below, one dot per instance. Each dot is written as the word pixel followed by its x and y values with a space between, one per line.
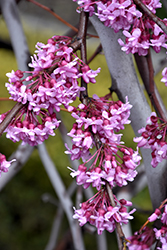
pixel 98 212
pixel 81 175
pixel 134 43
pixel 44 92
pixel 88 74
pixel 86 5
pixel 158 41
pixel 142 240
pixel 153 5
pixel 4 164
pixel 80 215
pixel 15 76
pixel 155 215
pixel 29 130
pixel 40 64
pixel 117 15
pixel 153 136
pixel 161 235
pixel 60 87
pixel 106 117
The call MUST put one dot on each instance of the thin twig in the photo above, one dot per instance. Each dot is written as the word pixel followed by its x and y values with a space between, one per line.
pixel 18 106
pixel 12 113
pixel 82 35
pixel 5 99
pixel 119 232
pixel 10 13
pixel 142 65
pixel 22 150
pixel 83 98
pixel 151 92
pixel 97 51
pixel 57 221
pixel 88 192
pixel 125 83
pixel 51 11
pixel 61 192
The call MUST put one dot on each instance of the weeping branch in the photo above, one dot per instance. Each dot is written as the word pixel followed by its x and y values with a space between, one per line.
pixel 10 13
pixel 125 83
pixel 62 195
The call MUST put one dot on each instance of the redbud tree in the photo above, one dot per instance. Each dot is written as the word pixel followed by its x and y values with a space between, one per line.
pixel 57 76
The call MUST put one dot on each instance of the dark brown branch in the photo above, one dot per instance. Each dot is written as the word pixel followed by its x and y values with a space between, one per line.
pixel 82 35
pixel 145 68
pixel 51 11
pixel 152 16
pixel 97 51
pixel 54 14
pixel 120 235
pixel 152 95
pixel 12 113
pixel 152 85
pixel 142 65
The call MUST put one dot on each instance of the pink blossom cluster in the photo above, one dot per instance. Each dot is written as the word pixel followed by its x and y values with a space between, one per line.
pixel 54 79
pixel 142 241
pixel 98 212
pixel 4 164
pixel 52 82
pixel 115 14
pixel 99 122
pixel 136 26
pixel 147 237
pixel 139 39
pixel 161 235
pixel 154 136
pixel 28 129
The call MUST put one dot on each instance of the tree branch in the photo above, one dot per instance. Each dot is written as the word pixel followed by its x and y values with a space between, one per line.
pixel 142 65
pixel 57 221
pixel 62 195
pixel 11 15
pixel 82 35
pixel 88 192
pixel 119 232
pixel 76 44
pixel 125 83
pixel 97 51
pixel 51 11
pixel 16 166
pixel 12 113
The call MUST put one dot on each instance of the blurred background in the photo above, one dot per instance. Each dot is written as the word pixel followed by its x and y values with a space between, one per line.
pixel 26 220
